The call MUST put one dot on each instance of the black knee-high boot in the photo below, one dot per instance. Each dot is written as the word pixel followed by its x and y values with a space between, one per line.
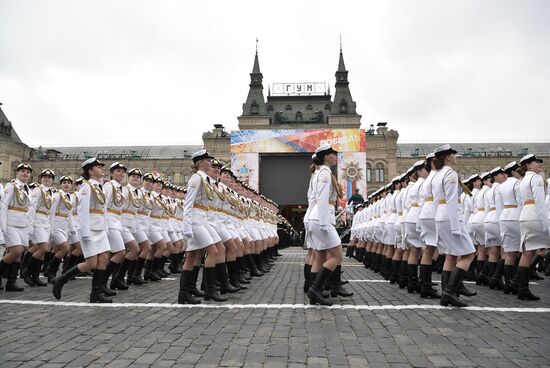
pixel 510 286
pixel 51 271
pixel 99 280
pixel 12 269
pixel 496 279
pixel 59 282
pixel 403 274
pixel 185 296
pixel 450 293
pixel 426 288
pixel 193 282
pixel 412 279
pixel 523 290
pixel 307 273
pixel 336 288
pixel 211 292
pixel 315 292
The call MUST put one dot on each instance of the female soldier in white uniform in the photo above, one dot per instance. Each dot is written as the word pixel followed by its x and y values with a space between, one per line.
pixel 478 228
pixel 15 224
pixel 75 251
pixel 426 217
pixel 227 249
pixel 197 233
pixel 115 203
pixel 133 198
pixel 93 233
pixel 509 223
pixel 533 221
pixel 493 241
pixel 413 240
pixel 314 168
pixel 324 237
pixel 62 220
pixel 39 213
pixel 452 235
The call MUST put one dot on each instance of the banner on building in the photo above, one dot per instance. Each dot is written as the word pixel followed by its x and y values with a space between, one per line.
pixel 297 141
pixel 246 166
pixel 352 167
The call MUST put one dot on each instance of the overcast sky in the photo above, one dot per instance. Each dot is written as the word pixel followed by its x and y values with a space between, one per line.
pixel 163 72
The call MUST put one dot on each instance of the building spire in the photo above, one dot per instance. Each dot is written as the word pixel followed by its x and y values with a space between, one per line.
pixel 256 67
pixel 341 65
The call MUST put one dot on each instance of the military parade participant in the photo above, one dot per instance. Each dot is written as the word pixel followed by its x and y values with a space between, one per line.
pixel 132 204
pixel 93 233
pixel 15 224
pixel 325 239
pixel 115 202
pixel 509 223
pixel 39 213
pixel 198 233
pixel 452 236
pixel 61 215
pixel 314 169
pixel 533 221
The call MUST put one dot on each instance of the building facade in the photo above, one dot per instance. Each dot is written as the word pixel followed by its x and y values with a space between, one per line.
pixel 385 157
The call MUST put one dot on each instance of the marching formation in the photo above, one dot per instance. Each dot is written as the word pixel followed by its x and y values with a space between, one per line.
pixel 128 228
pixel 492 228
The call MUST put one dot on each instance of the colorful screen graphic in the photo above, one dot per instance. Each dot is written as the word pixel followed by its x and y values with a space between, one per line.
pixel 297 141
pixel 352 168
pixel 246 166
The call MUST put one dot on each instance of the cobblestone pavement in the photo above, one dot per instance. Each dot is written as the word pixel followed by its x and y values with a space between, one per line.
pixel 269 326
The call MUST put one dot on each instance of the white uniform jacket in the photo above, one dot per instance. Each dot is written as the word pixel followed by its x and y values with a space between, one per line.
pixel 91 212
pixel 41 204
pixel 325 198
pixel 15 205
pixel 533 193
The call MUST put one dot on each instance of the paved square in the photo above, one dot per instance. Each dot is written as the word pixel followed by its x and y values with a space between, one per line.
pixel 270 326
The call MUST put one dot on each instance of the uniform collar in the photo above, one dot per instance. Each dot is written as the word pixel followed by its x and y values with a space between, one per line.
pixel 132 187
pixel 93 181
pixel 20 183
pixel 45 187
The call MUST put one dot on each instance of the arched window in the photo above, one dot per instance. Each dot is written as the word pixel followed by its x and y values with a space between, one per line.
pixel 343 106
pixel 379 173
pixel 288 107
pixel 269 107
pixel 369 173
pixel 299 116
pixel 309 107
pixel 327 107
pixel 254 108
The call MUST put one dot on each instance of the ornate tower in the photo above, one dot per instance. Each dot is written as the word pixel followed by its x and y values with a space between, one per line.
pixel 254 114
pixel 343 112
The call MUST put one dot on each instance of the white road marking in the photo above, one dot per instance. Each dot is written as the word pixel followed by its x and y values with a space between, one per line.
pixel 90 277
pixel 436 281
pixel 271 306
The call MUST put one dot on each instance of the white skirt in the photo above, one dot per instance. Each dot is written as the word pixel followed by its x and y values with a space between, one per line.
pixel 59 236
pixel 428 232
pixel 533 236
pixel 323 240
pixel 389 234
pixel 40 235
pixel 115 240
pixel 511 236
pixel 479 233
pixel 140 236
pixel 15 236
pixel 454 245
pixel 412 237
pixel 492 234
pixel 96 244
pixel 201 238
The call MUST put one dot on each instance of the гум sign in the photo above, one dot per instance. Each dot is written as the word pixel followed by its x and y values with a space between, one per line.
pixel 304 88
